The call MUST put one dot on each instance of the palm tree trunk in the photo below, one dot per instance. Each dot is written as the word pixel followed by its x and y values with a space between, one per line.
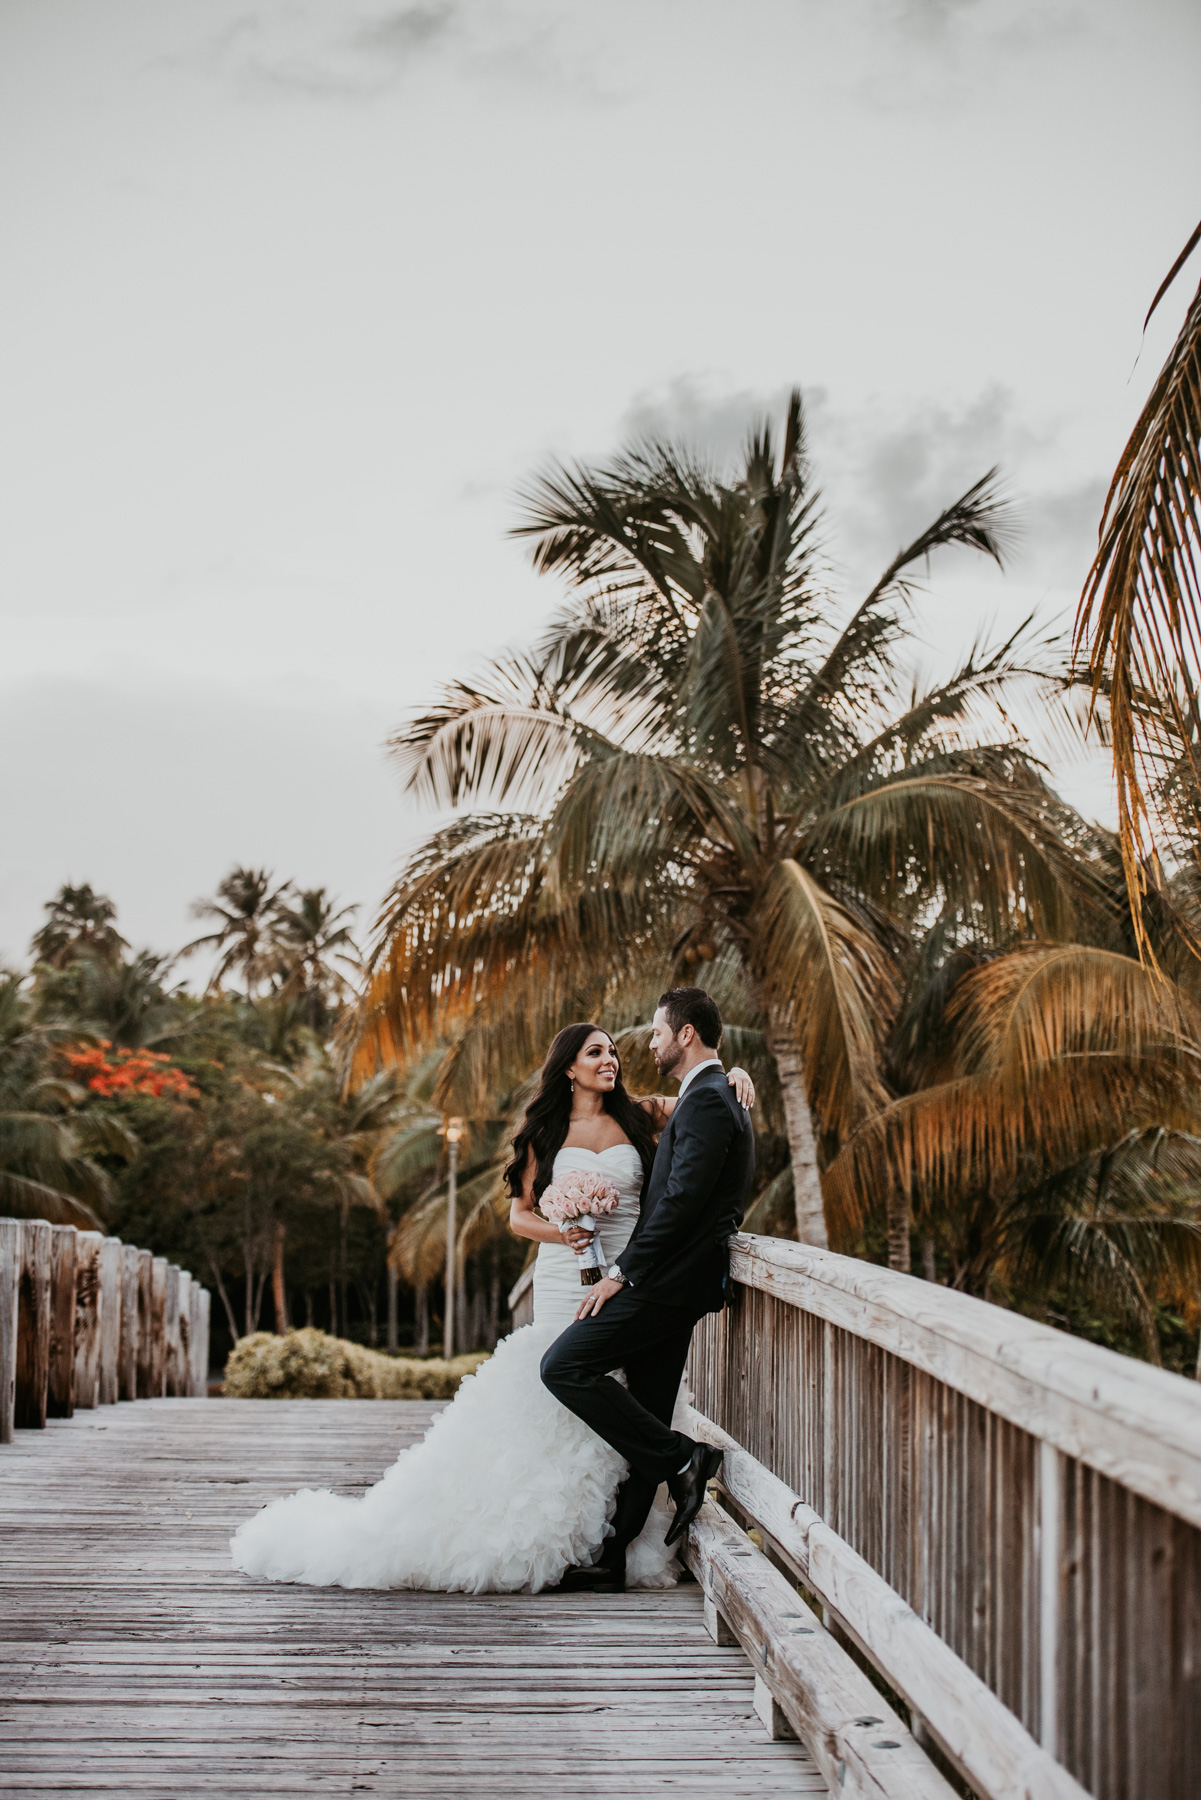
pixel 898 1234
pixel 421 1319
pixel 279 1289
pixel 802 1143
pixel 393 1320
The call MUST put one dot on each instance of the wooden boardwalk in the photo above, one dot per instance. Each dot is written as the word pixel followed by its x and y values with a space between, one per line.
pixel 135 1661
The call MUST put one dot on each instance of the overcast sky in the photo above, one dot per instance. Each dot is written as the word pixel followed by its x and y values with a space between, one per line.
pixel 296 293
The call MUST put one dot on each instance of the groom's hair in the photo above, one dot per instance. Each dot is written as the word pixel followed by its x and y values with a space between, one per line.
pixel 693 1006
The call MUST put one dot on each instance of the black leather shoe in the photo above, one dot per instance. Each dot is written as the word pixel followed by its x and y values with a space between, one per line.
pixel 687 1488
pixel 594 1578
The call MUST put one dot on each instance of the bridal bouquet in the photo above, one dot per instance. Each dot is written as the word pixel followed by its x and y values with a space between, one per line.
pixel 579 1198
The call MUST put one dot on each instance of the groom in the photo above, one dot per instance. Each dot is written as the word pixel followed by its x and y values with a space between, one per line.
pixel 641 1317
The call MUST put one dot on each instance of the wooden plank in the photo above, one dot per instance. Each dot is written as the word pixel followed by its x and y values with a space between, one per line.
pixel 60 1393
pixel 203 1321
pixel 145 1336
pixel 1138 1425
pixel 171 1371
pixel 127 1365
pixel 110 1319
pixel 183 1350
pixel 981 1737
pixel 158 1321
pixel 856 1739
pixel 10 1278
pixel 33 1326
pixel 87 1318
pixel 134 1660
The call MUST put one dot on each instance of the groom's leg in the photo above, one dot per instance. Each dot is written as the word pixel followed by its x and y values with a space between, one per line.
pixel 624 1333
pixel 654 1381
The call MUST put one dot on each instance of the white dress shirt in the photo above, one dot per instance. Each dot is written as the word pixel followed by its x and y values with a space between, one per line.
pixel 710 1062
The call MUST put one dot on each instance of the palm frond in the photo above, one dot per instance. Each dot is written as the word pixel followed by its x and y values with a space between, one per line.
pixel 1140 611
pixel 834 982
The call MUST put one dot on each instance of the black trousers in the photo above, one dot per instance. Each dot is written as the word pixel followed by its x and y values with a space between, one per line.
pixel 650 1342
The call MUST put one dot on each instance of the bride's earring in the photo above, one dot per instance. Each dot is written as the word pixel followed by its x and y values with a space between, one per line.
pixel 571 1085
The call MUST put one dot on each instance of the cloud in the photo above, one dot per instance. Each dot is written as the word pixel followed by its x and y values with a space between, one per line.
pixel 885 472
pixel 367 48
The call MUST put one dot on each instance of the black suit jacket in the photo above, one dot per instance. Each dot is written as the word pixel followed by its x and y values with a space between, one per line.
pixel 694 1200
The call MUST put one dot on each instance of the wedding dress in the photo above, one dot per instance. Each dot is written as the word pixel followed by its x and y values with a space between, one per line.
pixel 506 1489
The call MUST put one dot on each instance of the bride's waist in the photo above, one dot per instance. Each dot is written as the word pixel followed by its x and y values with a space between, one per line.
pixel 615 1230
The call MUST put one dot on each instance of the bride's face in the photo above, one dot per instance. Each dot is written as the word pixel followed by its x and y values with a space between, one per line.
pixel 596 1067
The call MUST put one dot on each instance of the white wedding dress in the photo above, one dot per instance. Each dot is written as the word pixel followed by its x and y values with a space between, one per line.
pixel 506 1489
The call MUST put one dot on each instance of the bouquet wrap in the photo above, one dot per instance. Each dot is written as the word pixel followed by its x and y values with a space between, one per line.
pixel 581 1199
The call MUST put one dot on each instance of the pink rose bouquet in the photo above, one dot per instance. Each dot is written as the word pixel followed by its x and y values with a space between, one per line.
pixel 580 1198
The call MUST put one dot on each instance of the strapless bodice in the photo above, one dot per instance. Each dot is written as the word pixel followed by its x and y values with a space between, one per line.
pixel 557 1285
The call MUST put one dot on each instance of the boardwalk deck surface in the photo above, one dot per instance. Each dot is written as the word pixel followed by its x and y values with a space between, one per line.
pixel 136 1662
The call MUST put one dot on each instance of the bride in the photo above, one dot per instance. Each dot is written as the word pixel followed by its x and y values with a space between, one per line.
pixel 507 1489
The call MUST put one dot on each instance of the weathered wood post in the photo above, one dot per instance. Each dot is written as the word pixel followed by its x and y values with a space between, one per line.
pixel 87 1317
pixel 33 1325
pixel 158 1316
pixel 183 1366
pixel 202 1301
pixel 145 1329
pixel 110 1318
pixel 127 1367
pixel 10 1276
pixel 60 1397
pixel 171 1332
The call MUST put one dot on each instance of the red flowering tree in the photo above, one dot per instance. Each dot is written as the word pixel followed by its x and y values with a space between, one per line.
pixel 120 1073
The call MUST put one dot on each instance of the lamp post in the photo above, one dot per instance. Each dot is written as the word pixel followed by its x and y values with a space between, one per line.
pixel 452 1131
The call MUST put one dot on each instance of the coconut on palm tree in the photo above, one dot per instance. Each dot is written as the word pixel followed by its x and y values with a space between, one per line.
pixel 707 767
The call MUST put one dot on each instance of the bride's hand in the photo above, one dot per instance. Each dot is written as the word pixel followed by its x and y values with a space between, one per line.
pixel 574 1238
pixel 743 1086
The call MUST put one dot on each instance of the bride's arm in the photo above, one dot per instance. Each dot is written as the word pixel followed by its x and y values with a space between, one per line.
pixel 661 1106
pixel 526 1223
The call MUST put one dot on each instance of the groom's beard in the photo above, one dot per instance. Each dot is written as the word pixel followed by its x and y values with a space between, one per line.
pixel 669 1063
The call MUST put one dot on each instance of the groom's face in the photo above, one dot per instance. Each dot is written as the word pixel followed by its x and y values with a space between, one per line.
pixel 667 1049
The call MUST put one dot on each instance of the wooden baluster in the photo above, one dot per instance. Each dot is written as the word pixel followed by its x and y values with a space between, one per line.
pixel 158 1312
pixel 87 1318
pixel 60 1395
pixel 171 1332
pixel 183 1367
pixel 110 1319
pixel 127 1379
pixel 201 1343
pixel 33 1325
pixel 10 1277
pixel 145 1356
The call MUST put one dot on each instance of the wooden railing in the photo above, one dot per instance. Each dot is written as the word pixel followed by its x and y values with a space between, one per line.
pixel 86 1320
pixel 1003 1521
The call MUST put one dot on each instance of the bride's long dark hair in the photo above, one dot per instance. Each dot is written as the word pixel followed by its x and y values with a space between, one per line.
pixel 548 1115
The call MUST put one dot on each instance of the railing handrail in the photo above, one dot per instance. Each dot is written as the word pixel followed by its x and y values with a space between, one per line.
pixel 1136 1424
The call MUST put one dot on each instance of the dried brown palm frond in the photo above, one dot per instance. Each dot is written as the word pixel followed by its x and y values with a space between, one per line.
pixel 1139 622
pixel 1042 1002
pixel 1049 1054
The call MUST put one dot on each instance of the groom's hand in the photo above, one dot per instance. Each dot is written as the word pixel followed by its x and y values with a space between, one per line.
pixel 597 1296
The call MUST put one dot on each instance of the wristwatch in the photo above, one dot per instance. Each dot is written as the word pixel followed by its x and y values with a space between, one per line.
pixel 614 1273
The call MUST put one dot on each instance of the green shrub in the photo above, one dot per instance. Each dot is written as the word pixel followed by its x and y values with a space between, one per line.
pixel 311 1365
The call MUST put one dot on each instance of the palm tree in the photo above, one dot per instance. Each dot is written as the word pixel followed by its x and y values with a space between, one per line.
pixel 311 935
pixel 80 922
pixel 1057 1092
pixel 244 907
pixel 1140 612
pixel 708 770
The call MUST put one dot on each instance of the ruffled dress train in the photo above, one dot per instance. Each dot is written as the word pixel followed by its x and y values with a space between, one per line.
pixel 506 1489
